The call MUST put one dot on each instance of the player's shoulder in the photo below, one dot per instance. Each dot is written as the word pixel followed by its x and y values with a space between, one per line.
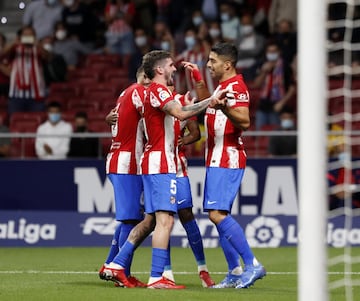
pixel 160 91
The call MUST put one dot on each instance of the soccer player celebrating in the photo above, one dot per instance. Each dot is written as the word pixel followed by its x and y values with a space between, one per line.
pixel 122 168
pixel 225 164
pixel 158 162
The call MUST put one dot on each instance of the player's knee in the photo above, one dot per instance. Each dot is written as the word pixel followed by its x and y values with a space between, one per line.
pixel 217 216
pixel 185 215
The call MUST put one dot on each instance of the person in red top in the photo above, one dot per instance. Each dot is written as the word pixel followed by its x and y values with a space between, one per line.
pixel 158 162
pixel 225 164
pixel 27 84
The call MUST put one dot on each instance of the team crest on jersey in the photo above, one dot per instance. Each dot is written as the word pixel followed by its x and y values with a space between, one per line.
pixel 164 95
pixel 154 101
pixel 172 200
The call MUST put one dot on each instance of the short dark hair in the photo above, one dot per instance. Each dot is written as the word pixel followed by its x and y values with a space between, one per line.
pixel 227 50
pixel 139 70
pixel 151 59
pixel 81 114
pixel 54 104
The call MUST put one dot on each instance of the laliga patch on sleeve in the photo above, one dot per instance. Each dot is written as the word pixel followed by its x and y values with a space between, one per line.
pixel 164 95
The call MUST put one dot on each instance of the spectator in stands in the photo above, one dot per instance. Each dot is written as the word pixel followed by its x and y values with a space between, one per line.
pixel 285 145
pixel 160 28
pixel 196 52
pixel 55 67
pixel 251 46
pixel 274 81
pixel 5 141
pixel 68 47
pixel 57 141
pixel 142 46
pixel 120 38
pixel 80 22
pixel 214 33
pixel 42 16
pixel 5 69
pixel 83 147
pixel 230 22
pixel 286 38
pixel 27 84
pixel 282 10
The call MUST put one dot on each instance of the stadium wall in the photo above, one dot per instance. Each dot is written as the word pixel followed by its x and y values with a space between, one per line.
pixel 70 203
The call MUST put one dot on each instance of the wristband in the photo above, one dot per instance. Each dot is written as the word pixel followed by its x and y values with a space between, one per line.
pixel 196 75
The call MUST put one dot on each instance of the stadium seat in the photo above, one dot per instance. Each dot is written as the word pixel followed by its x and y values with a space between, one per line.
pixel 26 118
pixel 82 105
pixel 66 89
pixel 107 60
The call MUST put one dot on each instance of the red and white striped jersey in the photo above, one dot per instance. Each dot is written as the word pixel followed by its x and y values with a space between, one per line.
pixel 161 132
pixel 127 134
pixel 224 146
pixel 27 77
pixel 182 166
pixel 200 59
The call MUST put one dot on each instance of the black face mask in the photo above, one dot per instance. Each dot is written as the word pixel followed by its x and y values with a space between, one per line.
pixel 81 129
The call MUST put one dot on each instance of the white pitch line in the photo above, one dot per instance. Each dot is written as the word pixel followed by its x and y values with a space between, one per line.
pixel 147 272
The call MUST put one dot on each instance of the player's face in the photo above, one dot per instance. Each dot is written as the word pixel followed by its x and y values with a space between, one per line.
pixel 215 65
pixel 169 71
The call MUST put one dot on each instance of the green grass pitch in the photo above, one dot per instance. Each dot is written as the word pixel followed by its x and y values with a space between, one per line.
pixel 71 274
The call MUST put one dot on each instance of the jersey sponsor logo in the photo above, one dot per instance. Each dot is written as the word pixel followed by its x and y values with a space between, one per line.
pixel 243 97
pixel 163 95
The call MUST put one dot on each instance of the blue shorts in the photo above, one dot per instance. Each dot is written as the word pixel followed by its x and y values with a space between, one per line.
pixel 128 191
pixel 183 193
pixel 160 192
pixel 221 187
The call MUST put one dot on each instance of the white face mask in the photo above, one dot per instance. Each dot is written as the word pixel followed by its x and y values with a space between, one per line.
pixel 69 3
pixel 197 20
pixel 214 32
pixel 29 40
pixel 165 45
pixel 247 29
pixel 287 124
pixel 140 41
pixel 272 56
pixel 190 42
pixel 48 47
pixel 344 157
pixel 225 17
pixel 60 34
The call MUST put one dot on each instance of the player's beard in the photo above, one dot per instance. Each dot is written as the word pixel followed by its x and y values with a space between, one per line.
pixel 170 78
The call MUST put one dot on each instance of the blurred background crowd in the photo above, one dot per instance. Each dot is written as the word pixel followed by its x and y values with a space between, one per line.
pixel 76 56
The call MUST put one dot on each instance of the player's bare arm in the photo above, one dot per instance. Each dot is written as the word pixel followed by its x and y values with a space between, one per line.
pixel 112 117
pixel 239 116
pixel 193 135
pixel 202 91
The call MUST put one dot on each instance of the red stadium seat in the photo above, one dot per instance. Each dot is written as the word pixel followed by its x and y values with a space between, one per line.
pixel 82 105
pixel 26 119
pixel 107 60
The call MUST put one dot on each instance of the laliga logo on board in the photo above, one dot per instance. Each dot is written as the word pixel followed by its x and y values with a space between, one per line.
pixel 264 232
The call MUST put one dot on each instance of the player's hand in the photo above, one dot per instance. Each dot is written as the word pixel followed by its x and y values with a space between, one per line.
pixel 187 99
pixel 48 149
pixel 112 117
pixel 180 142
pixel 219 99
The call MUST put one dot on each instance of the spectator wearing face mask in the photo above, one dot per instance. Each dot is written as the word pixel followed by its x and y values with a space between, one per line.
pixel 42 16
pixel 55 67
pixel 285 145
pixel 214 33
pixel 83 147
pixel 196 52
pixel 230 23
pixel 142 46
pixel 251 46
pixel 53 136
pixel 69 48
pixel 27 89
pixel 273 80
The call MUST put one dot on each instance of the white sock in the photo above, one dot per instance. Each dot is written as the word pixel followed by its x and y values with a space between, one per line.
pixel 237 271
pixel 255 262
pixel 115 266
pixel 169 275
pixel 202 267
pixel 153 279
